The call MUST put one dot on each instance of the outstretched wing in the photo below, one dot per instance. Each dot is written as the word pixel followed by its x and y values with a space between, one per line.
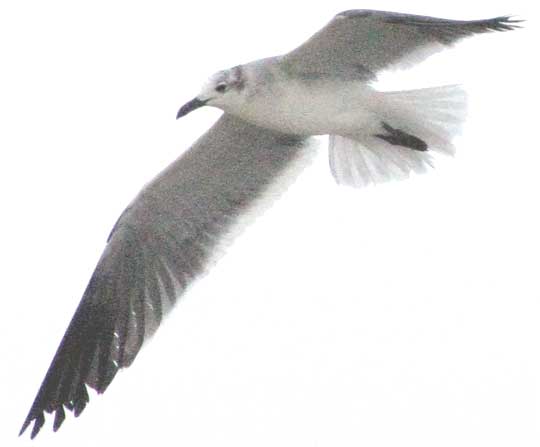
pixel 357 44
pixel 161 242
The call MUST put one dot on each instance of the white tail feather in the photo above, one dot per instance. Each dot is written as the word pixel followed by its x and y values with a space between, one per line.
pixel 433 115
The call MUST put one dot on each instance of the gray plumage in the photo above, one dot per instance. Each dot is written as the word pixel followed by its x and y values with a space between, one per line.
pixel 160 243
pixel 371 41
pixel 167 235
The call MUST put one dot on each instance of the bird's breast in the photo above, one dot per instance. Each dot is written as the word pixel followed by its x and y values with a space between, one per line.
pixel 310 108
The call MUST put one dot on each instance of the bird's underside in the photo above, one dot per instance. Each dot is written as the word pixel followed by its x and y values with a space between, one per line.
pixel 167 235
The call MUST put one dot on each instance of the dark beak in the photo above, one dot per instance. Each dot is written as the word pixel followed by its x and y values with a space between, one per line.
pixel 195 103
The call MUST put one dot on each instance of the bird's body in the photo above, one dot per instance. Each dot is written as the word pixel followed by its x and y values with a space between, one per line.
pixel 168 234
pixel 305 106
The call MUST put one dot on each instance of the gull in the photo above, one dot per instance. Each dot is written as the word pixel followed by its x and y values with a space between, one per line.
pixel 170 232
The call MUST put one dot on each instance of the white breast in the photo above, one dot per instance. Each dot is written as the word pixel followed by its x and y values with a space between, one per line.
pixel 311 107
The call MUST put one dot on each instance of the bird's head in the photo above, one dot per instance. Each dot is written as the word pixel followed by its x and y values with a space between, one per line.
pixel 224 90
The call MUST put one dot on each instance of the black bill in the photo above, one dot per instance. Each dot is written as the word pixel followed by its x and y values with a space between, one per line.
pixel 190 106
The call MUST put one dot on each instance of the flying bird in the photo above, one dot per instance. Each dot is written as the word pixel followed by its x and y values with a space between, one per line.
pixel 168 234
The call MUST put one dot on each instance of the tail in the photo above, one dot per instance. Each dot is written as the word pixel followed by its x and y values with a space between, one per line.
pixel 412 125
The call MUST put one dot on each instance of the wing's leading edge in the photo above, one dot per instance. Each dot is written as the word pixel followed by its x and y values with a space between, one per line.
pixel 357 44
pixel 161 242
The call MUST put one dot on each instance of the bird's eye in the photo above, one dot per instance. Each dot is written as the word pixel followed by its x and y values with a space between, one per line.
pixel 221 87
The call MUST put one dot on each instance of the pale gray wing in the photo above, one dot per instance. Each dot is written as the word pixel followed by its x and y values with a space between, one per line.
pixel 160 243
pixel 357 44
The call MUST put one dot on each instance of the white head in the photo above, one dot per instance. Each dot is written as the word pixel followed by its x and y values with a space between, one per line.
pixel 224 89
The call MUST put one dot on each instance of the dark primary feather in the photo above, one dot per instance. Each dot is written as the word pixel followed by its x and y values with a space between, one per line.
pixel 161 242
pixel 357 44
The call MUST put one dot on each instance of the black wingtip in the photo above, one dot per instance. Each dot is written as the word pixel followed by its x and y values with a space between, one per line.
pixel 59 417
pixel 38 423
pixel 506 23
pixel 76 406
pixel 24 426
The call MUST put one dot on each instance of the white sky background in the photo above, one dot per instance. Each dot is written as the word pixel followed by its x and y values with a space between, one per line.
pixel 403 315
